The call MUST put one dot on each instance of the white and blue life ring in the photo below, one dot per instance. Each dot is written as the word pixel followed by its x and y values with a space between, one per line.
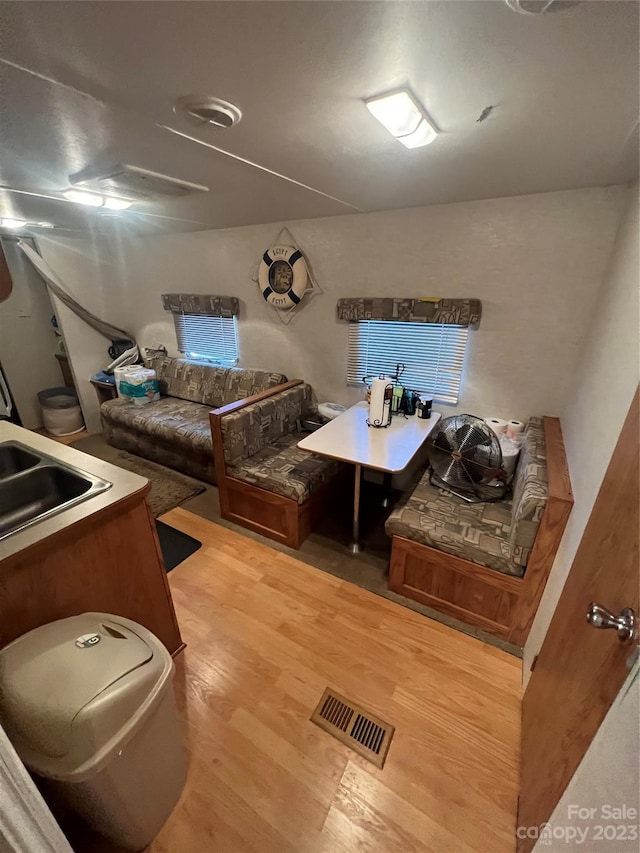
pixel 283 276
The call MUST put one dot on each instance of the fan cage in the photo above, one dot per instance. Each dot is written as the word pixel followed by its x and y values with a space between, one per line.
pixel 466 459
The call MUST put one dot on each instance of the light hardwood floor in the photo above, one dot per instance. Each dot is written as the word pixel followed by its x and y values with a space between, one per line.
pixel 63 439
pixel 266 634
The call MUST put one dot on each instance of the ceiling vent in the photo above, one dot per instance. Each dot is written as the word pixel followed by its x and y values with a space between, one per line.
pixel 540 7
pixel 132 183
pixel 200 110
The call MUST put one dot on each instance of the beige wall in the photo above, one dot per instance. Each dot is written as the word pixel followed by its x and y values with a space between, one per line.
pixel 602 390
pixel 88 270
pixel 27 341
pixel 535 261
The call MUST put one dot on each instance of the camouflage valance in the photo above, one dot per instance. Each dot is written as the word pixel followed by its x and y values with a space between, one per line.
pixel 200 303
pixel 457 312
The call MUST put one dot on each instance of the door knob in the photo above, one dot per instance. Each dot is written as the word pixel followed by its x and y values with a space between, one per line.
pixel 625 624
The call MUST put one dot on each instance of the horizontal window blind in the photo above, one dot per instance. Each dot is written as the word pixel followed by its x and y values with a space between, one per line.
pixel 433 355
pixel 202 336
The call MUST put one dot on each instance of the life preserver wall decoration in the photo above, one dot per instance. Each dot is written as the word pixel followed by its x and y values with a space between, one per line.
pixel 283 277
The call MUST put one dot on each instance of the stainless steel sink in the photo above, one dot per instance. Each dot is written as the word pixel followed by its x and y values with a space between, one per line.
pixel 14 458
pixel 35 486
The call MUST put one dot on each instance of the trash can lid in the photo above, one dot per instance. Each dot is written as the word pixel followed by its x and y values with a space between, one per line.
pixel 331 410
pixel 58 398
pixel 64 686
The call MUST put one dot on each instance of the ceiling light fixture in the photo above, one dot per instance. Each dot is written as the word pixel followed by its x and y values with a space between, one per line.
pixel 403 117
pixel 95 200
pixel 17 224
pixel 128 183
pixel 117 203
pixel 79 197
pixel 13 223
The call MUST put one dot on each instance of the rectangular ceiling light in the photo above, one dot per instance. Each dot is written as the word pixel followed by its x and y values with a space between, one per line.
pixel 13 223
pixel 404 118
pixel 95 200
pixel 80 197
pixel 116 203
pixel 16 224
pixel 132 183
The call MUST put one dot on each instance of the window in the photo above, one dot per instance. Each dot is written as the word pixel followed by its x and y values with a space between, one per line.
pixel 203 336
pixel 433 355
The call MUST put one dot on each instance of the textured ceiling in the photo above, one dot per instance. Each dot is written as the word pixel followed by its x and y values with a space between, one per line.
pixel 84 83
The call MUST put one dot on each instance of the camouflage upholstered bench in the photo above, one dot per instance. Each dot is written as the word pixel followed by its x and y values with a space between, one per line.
pixel 486 563
pixel 175 431
pixel 265 482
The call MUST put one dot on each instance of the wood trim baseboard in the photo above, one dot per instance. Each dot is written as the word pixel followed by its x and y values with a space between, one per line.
pixel 557 465
pixel 215 423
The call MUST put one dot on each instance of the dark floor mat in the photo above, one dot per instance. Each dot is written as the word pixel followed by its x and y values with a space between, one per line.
pixel 175 546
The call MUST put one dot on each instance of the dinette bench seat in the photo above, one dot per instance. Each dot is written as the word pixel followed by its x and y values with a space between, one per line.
pixel 265 482
pixel 486 564
pixel 284 470
pixel 478 532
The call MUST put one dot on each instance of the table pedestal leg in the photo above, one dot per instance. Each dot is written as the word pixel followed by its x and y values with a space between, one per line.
pixel 386 500
pixel 355 544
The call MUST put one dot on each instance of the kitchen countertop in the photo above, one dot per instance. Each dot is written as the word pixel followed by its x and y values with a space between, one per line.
pixel 124 485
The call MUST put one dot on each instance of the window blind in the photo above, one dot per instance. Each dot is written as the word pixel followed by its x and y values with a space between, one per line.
pixel 203 336
pixel 433 355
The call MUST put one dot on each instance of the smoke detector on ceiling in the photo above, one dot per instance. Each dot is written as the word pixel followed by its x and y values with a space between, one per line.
pixel 132 183
pixel 199 110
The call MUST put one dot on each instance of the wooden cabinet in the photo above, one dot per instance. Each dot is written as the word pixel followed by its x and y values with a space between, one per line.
pixel 6 284
pixel 65 369
pixel 109 562
pixel 104 390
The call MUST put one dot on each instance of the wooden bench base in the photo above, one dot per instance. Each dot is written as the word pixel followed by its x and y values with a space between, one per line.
pixel 500 604
pixel 279 518
pixel 468 592
pixel 272 515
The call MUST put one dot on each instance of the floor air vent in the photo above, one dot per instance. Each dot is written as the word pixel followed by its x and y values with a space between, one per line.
pixel 358 729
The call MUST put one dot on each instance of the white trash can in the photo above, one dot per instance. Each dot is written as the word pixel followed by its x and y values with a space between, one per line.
pixel 61 412
pixel 88 704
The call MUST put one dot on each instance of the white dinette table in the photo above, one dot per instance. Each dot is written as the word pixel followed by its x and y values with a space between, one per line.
pixel 348 438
